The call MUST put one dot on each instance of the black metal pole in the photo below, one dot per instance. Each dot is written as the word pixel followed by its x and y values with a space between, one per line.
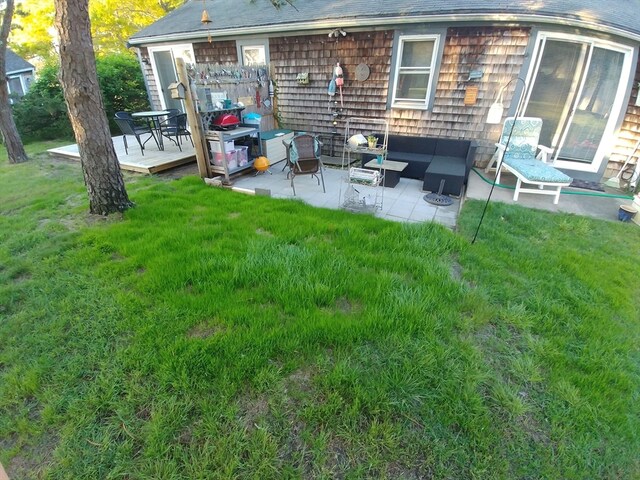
pixel 499 165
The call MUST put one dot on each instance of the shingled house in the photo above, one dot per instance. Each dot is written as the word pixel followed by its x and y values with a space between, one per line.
pixel 19 74
pixel 430 67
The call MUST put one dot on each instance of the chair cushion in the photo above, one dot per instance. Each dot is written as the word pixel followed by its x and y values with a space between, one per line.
pixel 536 171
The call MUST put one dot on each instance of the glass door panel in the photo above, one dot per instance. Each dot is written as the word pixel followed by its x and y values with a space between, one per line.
pixel 167 75
pixel 557 81
pixel 593 107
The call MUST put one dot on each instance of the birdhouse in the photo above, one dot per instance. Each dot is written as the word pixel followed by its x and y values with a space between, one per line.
pixel 178 90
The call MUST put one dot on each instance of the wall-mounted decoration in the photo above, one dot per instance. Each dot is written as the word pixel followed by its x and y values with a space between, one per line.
pixel 241 84
pixel 303 78
pixel 362 72
pixel 471 95
pixel 475 75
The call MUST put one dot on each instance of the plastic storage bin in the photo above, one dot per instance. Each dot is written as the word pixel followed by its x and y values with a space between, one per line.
pixel 228 146
pixel 242 155
pixel 253 119
pixel 232 160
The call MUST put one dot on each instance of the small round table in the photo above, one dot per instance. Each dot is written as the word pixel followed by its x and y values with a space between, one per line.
pixel 153 118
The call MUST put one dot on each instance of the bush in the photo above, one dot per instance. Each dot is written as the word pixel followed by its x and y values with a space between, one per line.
pixel 42 112
pixel 122 85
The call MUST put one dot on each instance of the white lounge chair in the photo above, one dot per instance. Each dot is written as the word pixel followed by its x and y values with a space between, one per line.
pixel 527 160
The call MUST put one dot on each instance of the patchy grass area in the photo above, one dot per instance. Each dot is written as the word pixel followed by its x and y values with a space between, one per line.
pixel 209 334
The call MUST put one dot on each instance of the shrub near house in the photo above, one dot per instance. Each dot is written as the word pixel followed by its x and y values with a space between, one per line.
pixel 42 113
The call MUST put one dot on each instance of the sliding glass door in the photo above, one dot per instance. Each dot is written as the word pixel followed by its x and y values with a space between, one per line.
pixel 577 86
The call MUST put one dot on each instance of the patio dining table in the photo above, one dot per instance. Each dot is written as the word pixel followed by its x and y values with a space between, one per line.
pixel 153 118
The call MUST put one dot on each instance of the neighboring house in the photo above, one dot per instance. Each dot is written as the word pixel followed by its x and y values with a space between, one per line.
pixel 20 74
pixel 579 59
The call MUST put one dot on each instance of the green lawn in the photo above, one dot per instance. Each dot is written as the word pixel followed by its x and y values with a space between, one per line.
pixel 209 334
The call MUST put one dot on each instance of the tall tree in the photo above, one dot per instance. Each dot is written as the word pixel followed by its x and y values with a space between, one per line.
pixel 79 79
pixel 10 135
pixel 112 23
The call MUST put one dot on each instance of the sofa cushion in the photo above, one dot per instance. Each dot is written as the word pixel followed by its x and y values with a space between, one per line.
pixel 452 148
pixel 409 157
pixel 423 145
pixel 449 165
pixel 451 170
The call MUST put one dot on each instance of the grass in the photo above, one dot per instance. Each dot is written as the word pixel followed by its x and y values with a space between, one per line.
pixel 209 334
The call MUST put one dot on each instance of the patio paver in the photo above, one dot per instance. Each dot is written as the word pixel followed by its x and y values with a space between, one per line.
pixel 404 203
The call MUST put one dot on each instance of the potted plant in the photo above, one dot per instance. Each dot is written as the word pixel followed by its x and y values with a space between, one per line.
pixel 372 140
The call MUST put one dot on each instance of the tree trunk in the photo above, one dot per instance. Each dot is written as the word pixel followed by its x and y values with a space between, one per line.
pixel 10 135
pixel 79 79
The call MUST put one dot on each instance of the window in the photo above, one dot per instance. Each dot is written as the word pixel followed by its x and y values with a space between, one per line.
pixel 414 71
pixel 253 52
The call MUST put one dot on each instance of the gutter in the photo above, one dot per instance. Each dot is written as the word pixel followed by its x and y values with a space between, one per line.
pixel 374 22
pixel 17 72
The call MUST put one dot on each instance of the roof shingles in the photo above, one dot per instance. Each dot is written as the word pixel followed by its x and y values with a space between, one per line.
pixel 617 16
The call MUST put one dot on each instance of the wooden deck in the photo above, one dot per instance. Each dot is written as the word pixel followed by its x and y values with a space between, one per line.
pixel 152 161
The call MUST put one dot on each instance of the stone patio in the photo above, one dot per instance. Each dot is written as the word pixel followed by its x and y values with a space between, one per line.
pixel 404 203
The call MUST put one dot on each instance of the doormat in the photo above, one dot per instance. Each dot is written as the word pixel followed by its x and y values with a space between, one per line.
pixel 587 185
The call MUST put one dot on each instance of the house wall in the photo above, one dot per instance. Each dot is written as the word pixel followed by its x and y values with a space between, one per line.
pixel 222 52
pixel 498 52
pixel 629 133
pixel 147 72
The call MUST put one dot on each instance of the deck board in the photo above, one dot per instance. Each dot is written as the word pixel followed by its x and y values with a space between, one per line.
pixel 152 161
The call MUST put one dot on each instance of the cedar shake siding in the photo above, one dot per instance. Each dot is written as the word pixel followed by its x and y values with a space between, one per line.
pixel 498 52
pixel 629 133
pixel 307 107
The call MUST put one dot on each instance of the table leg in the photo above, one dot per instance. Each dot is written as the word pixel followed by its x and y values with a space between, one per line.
pixel 158 128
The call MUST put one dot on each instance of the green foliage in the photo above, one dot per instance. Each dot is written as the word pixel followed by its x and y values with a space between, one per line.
pixel 122 85
pixel 42 112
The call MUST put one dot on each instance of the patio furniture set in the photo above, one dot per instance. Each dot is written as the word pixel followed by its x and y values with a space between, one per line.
pixel 443 164
pixel 156 124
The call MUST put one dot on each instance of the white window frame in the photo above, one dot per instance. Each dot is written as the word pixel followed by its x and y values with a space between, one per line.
pixel 430 69
pixel 175 50
pixel 253 42
pixel 608 137
pixel 25 77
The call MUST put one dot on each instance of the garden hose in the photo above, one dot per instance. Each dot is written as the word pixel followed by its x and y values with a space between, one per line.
pixel 590 194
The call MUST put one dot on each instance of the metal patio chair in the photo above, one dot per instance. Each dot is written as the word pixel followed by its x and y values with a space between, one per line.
pixel 303 158
pixel 175 127
pixel 128 127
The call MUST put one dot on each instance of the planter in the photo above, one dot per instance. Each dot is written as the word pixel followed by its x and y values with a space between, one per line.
pixel 626 213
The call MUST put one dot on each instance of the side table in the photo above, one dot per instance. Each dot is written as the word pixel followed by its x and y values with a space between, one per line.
pixel 390 168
